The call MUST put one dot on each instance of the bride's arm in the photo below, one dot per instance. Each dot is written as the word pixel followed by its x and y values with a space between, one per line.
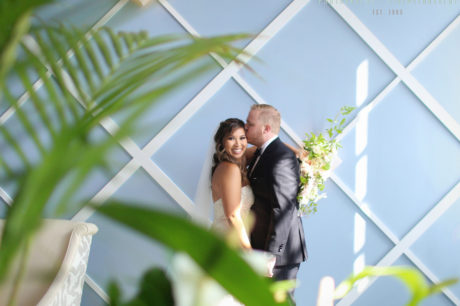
pixel 230 182
pixel 296 150
pixel 250 151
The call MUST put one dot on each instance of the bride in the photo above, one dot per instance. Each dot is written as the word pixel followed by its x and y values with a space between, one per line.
pixel 231 193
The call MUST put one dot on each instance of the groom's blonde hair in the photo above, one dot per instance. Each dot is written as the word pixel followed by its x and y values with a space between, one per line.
pixel 268 115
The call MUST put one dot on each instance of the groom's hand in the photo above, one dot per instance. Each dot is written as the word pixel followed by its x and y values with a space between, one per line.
pixel 270 265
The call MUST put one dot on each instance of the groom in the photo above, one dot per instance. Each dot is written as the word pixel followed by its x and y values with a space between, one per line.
pixel 274 177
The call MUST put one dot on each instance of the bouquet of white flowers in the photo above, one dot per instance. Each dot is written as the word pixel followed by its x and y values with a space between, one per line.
pixel 316 158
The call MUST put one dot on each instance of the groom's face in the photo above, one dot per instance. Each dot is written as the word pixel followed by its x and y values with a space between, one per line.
pixel 254 129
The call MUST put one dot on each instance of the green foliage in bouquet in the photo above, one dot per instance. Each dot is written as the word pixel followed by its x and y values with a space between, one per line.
pixel 317 156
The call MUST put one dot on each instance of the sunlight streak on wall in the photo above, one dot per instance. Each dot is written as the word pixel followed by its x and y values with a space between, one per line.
pixel 362 82
pixel 359 264
pixel 361 178
pixel 360 233
pixel 361 132
pixel 358 245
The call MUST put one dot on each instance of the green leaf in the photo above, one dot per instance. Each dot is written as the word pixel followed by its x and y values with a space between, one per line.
pixel 347 110
pixel 280 289
pixel 37 102
pixel 154 289
pixel 25 120
pixel 12 143
pixel 49 57
pixel 436 288
pixel 58 45
pixel 213 255
pixel 14 24
pixel 74 43
pixel 103 48
pixel 411 277
pixel 114 294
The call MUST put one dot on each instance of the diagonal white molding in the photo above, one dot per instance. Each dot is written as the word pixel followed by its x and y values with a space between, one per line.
pixel 408 240
pixel 190 109
pixel 430 218
pixel 38 83
pixel 436 42
pixel 141 158
pixel 180 119
pixel 262 38
pixel 429 101
pixel 23 99
pixel 108 190
pixel 194 105
pixel 130 147
pixel 259 100
pixel 97 289
pixel 365 209
pixel 36 86
pixel 423 225
pixel 390 60
pixel 112 12
pixel 431 276
pixel 5 197
pixel 229 71
pixel 370 106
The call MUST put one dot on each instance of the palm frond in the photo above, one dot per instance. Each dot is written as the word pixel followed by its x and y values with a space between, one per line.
pixel 86 78
pixel 14 24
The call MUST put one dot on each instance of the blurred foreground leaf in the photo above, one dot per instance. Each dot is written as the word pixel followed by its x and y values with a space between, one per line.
pixel 411 277
pixel 209 251
pixel 154 289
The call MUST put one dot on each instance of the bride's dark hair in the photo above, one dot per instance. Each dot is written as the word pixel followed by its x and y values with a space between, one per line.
pixel 225 128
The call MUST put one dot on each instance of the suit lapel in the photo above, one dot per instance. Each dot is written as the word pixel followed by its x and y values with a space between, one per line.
pixel 259 164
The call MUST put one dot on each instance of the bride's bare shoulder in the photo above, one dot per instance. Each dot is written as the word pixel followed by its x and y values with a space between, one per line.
pixel 226 175
pixel 226 169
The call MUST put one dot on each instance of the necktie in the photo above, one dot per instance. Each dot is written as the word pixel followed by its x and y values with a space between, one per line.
pixel 254 161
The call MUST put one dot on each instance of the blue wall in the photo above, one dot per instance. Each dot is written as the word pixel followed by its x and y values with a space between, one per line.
pixel 399 160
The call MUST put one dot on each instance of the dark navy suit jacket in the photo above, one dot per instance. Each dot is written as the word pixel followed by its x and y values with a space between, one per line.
pixel 278 228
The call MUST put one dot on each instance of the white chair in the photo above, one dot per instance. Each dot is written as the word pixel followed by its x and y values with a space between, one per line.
pixel 56 265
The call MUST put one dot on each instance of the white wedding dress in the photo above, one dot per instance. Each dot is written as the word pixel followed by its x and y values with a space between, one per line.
pixel 221 225
pixel 220 222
